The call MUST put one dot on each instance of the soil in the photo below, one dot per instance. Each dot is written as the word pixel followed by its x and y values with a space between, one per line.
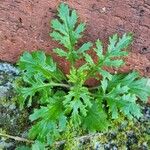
pixel 24 25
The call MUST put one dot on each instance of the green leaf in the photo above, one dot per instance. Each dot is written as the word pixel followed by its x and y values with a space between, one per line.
pixel 80 28
pixel 124 41
pixel 35 85
pixel 122 94
pixel 84 47
pixel 67 32
pixel 129 78
pixel 99 48
pixel 23 148
pixel 78 76
pixel 113 108
pixel 96 119
pixel 73 19
pixel 30 62
pixel 115 50
pixel 130 108
pixel 58 26
pixel 62 39
pixel 104 84
pixel 69 104
pixel 39 63
pixel 112 57
pixel 136 85
pixel 112 43
pixel 38 146
pixel 50 120
pixel 117 44
pixel 140 88
pixel 105 74
pixel 77 103
pixel 89 59
pixel 60 52
pixel 118 90
pixel 114 63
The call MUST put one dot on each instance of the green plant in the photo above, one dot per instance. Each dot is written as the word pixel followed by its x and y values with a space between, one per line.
pixel 61 100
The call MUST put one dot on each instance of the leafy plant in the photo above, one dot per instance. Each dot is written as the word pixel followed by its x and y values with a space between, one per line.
pixel 61 100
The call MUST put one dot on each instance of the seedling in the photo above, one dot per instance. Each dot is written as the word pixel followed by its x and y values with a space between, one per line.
pixel 65 100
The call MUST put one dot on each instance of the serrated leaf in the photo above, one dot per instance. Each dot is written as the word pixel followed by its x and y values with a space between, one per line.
pixel 136 85
pixel 36 85
pixel 60 52
pixel 104 84
pixel 140 88
pixel 66 32
pixel 96 119
pixel 115 53
pixel 84 47
pixel 89 59
pixel 78 76
pixel 38 113
pixel 122 93
pixel 118 90
pixel 119 44
pixel 114 63
pixel 111 58
pixel 113 108
pixel 129 78
pixel 23 148
pixel 80 28
pixel 73 19
pixel 39 63
pixel 78 105
pixel 99 48
pixel 38 146
pixel 77 102
pixel 112 42
pixel 130 108
pixel 58 26
pixel 124 41
pixel 62 39
pixel 105 74
pixel 50 120
pixel 63 10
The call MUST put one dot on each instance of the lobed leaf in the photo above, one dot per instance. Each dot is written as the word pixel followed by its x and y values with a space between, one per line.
pixel 84 47
pixel 35 85
pixel 96 119
pixel 77 103
pixel 99 49
pixel 39 63
pixel 67 32
pixel 50 121
pixel 121 94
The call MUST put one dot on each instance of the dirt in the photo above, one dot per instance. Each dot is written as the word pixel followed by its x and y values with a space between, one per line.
pixel 25 24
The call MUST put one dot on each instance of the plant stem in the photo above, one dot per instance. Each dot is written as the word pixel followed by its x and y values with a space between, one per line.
pixel 93 88
pixel 59 84
pixel 58 143
pixel 63 85
pixel 16 138
pixel 53 84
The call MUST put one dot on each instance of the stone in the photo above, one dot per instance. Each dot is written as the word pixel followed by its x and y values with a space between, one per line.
pixel 25 26
pixel 13 121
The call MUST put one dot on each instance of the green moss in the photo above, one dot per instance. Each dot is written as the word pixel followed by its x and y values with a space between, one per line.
pixel 12 120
